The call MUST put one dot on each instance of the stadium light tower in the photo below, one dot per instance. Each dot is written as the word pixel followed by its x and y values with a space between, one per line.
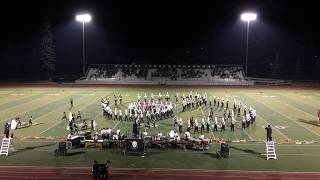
pixel 248 16
pixel 84 18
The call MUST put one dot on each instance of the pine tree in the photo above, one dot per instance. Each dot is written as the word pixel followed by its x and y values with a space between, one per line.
pixel 47 50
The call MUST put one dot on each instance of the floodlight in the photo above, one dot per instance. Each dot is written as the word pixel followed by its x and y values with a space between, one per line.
pixel 83 18
pixel 248 16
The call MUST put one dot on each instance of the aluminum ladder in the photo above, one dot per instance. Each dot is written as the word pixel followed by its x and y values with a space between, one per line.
pixel 5 146
pixel 270 150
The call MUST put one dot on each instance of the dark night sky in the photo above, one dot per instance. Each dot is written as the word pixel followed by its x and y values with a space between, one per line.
pixel 162 31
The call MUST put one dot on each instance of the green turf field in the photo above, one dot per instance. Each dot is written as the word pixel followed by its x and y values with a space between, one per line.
pixel 293 109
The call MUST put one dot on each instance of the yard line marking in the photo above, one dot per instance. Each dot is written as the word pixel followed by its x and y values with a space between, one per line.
pixel 21 113
pixel 261 102
pixel 123 102
pixel 210 128
pixel 293 107
pixel 58 122
pixel 212 134
pixel 310 130
pixel 5 92
pixel 79 110
pixel 19 98
pixel 245 131
pixel 115 125
pixel 260 117
pixel 102 111
pixel 63 106
pixel 17 105
pixel 267 121
pixel 95 117
pixel 250 137
pixel 300 101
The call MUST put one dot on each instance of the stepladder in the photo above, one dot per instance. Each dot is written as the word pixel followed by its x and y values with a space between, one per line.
pixel 270 150
pixel 5 146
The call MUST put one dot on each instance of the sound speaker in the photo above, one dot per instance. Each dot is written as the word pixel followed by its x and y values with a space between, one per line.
pixel 224 148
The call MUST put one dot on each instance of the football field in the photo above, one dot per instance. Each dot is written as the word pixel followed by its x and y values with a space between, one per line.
pixel 292 112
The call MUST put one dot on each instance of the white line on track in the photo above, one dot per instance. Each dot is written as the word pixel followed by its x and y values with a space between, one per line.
pixel 54 177
pixel 175 176
pixel 41 172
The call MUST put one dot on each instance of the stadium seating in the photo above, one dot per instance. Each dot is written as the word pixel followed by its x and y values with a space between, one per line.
pixel 164 74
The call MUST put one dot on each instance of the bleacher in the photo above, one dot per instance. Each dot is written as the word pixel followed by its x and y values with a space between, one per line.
pixel 164 74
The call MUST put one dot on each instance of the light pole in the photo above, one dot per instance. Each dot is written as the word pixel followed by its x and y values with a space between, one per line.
pixel 84 18
pixel 248 17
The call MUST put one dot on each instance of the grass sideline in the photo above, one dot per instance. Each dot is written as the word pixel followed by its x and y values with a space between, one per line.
pixel 294 109
pixel 247 156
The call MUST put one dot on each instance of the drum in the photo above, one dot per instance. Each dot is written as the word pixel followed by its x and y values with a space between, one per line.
pixel 183 142
pixel 197 142
pixel 207 141
pixel 93 144
pixel 147 139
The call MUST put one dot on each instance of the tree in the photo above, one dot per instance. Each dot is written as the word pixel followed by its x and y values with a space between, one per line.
pixel 47 50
